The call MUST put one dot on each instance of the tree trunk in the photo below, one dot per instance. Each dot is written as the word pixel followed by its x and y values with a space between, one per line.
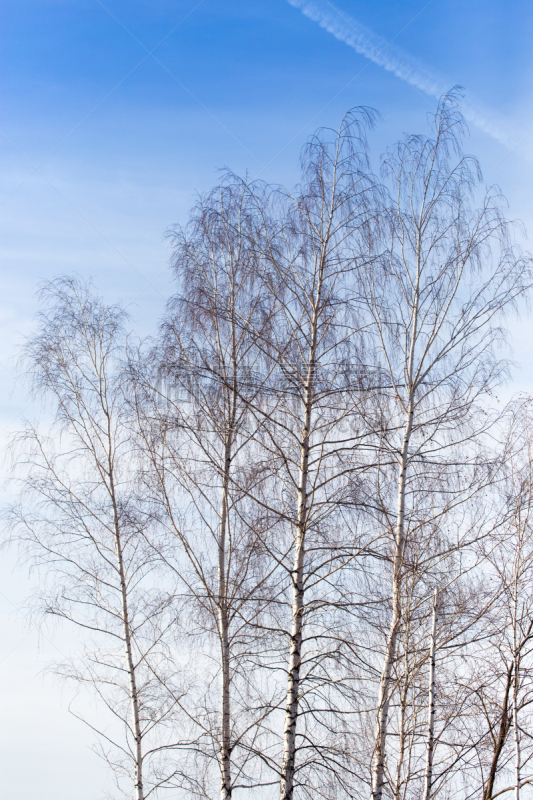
pixel 431 703
pixel 223 623
pixel 223 611
pixel 401 743
pixel 134 697
pixel 516 741
pixel 378 769
pixel 295 650
pixel 516 658
pixel 505 723
pixel 291 710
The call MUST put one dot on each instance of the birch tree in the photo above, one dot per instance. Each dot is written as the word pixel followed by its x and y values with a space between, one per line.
pixel 430 710
pixel 506 695
pixel 297 556
pixel 310 444
pixel 198 438
pixel 434 301
pixel 82 519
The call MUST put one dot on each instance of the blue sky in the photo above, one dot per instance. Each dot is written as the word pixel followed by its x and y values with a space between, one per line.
pixel 122 140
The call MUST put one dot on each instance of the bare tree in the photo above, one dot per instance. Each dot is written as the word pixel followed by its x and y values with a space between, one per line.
pixel 310 443
pixel 252 521
pixel 81 516
pixel 430 744
pixel 448 273
pixel 198 437
pixel 506 697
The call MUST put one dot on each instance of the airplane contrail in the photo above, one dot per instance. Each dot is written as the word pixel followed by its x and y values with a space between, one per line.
pixel 396 60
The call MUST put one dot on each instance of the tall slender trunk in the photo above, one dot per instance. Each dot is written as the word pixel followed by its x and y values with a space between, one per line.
pixel 378 768
pixel 430 742
pixel 223 630
pixel 516 742
pixel 295 652
pixel 223 610
pixel 134 696
pixel 396 790
pixel 402 738
pixel 291 710
pixel 296 637
pixel 505 724
pixel 516 658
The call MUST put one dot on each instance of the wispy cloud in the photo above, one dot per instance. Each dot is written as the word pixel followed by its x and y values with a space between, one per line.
pixel 396 60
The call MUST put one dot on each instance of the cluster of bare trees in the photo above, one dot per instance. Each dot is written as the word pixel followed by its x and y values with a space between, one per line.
pixel 295 528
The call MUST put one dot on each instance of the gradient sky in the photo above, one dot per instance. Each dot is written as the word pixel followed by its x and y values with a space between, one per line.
pixel 116 113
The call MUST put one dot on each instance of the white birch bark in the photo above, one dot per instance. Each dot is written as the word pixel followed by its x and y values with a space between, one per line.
pixel 223 623
pixel 378 768
pixel 516 685
pixel 430 740
pixel 401 731
pixel 296 637
pixel 134 696
pixel 291 709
